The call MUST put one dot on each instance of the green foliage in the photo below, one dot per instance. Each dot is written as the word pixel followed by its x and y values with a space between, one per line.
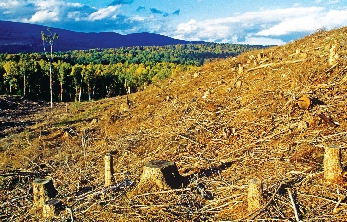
pixel 2 72
pixel 97 73
pixel 11 76
pixel 77 76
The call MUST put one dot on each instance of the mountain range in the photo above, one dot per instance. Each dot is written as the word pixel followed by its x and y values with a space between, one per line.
pixel 18 37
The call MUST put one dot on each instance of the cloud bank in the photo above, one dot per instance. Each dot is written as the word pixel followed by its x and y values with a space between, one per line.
pixel 266 27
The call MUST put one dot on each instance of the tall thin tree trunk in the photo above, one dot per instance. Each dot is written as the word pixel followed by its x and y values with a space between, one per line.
pixel 76 94
pixel 89 93
pixel 50 38
pixel 24 87
pixel 61 92
pixel 50 76
pixel 80 94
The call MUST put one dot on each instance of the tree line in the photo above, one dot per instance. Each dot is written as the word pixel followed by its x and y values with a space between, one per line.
pixel 98 73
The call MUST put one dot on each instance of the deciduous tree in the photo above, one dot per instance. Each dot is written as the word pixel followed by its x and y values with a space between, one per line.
pixel 76 74
pixel 64 69
pixel 11 75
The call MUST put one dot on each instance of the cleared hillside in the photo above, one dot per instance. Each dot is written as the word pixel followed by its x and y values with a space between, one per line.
pixel 222 127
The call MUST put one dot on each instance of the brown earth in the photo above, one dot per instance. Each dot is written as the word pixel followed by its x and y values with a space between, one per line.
pixel 220 124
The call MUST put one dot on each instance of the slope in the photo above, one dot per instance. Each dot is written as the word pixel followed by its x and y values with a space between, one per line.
pixel 230 121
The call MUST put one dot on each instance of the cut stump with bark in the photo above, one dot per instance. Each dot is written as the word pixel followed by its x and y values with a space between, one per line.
pixel 159 175
pixel 51 208
pixel 304 102
pixel 109 179
pixel 43 190
pixel 255 195
pixel 332 164
pixel 333 55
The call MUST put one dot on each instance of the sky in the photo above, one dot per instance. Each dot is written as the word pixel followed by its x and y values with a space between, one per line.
pixel 255 22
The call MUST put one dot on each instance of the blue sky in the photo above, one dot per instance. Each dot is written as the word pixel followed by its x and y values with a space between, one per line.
pixel 232 21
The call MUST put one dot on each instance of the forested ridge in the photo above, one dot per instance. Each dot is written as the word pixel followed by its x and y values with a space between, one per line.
pixel 98 73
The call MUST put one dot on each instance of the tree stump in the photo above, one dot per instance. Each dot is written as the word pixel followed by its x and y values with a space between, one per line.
pixel 159 175
pixel 333 55
pixel 304 102
pixel 51 208
pixel 240 71
pixel 255 195
pixel 109 179
pixel 43 190
pixel 238 84
pixel 332 164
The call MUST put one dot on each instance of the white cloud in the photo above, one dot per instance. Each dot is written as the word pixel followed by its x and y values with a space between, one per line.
pixel 328 2
pixel 335 18
pixel 138 18
pixel 42 16
pixel 249 20
pixel 302 24
pixel 74 4
pixel 308 23
pixel 55 13
pixel 104 13
pixel 46 10
pixel 262 41
pixel 10 4
pixel 187 27
pixel 262 26
pixel 333 1
pixel 48 4
pixel 76 15
pixel 8 8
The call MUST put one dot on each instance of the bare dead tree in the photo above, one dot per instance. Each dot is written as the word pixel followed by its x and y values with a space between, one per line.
pixel 50 39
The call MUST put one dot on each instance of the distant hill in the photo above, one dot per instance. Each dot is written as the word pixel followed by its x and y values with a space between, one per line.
pixel 22 37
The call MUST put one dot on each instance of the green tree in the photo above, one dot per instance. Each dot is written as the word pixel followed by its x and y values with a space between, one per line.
pixel 64 69
pixel 89 76
pixel 76 74
pixel 140 75
pixel 2 72
pixel 98 78
pixel 43 75
pixel 109 79
pixel 11 75
pixel 26 67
